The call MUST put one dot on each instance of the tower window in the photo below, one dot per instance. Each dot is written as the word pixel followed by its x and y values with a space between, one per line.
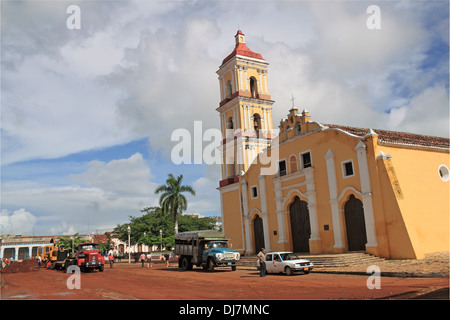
pixel 253 87
pixel 230 123
pixel 229 90
pixel 306 160
pixel 256 123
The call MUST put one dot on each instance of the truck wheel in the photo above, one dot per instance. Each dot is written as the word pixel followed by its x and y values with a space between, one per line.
pixel 210 264
pixel 233 268
pixel 101 268
pixel 186 264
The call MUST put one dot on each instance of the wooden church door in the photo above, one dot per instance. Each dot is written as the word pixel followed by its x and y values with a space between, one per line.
pixel 355 224
pixel 300 225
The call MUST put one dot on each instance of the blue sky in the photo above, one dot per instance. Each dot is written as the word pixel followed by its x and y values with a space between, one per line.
pixel 87 115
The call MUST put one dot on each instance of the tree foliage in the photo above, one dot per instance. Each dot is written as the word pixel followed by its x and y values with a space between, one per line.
pixel 145 229
pixel 171 197
pixel 66 241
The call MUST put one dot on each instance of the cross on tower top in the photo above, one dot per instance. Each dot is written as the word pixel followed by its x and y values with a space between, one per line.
pixel 293 101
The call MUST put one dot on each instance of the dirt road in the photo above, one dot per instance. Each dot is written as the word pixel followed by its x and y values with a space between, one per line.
pixel 131 281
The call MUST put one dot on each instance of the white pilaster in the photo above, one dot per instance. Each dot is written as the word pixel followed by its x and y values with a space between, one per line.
pixel 332 185
pixel 265 216
pixel 280 211
pixel 248 237
pixel 366 194
pixel 312 205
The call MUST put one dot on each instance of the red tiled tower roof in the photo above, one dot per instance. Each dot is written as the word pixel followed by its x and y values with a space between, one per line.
pixel 242 50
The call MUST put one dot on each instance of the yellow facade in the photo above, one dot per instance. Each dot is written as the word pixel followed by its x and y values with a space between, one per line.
pixel 335 189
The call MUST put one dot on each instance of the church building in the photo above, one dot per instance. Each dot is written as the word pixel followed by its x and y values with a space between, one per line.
pixel 323 188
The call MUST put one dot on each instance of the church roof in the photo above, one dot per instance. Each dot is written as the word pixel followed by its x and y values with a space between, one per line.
pixel 242 50
pixel 395 137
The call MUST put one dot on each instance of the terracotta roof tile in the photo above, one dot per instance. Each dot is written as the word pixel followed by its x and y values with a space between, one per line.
pixel 242 50
pixel 395 137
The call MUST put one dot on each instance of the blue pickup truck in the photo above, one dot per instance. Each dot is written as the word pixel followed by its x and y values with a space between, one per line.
pixel 205 248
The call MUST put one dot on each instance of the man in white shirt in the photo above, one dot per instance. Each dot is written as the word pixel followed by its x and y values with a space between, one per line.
pixel 262 262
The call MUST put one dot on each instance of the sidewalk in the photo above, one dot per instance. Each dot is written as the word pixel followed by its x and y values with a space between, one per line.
pixel 434 265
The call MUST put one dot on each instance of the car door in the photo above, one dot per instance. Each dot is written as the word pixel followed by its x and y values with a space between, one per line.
pixel 277 263
pixel 269 263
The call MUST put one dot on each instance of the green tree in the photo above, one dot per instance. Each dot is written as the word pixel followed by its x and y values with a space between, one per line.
pixel 172 199
pixel 146 229
pixel 66 241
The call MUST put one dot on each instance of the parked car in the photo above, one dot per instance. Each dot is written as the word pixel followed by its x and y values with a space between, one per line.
pixel 287 262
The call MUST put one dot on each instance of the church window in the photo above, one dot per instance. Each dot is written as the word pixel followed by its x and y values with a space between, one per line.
pixel 254 192
pixel 253 87
pixel 306 160
pixel 293 164
pixel 444 173
pixel 298 129
pixel 282 168
pixel 347 168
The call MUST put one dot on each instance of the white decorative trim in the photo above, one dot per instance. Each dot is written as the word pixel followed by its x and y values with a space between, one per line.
pixel 265 217
pixel 334 204
pixel 366 191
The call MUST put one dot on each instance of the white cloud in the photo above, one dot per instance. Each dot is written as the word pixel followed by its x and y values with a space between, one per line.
pixel 19 221
pixel 106 194
pixel 119 177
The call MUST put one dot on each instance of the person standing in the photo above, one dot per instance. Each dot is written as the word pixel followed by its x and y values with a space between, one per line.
pixel 262 262
pixel 142 257
pixel 39 259
pixel 111 260
pixel 149 259
pixel 167 257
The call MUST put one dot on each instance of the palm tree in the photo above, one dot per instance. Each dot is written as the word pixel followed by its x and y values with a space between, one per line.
pixel 172 200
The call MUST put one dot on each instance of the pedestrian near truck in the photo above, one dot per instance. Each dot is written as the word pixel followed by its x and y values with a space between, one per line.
pixel 111 260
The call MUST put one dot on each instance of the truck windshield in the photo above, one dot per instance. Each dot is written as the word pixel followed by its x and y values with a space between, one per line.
pixel 89 247
pixel 218 245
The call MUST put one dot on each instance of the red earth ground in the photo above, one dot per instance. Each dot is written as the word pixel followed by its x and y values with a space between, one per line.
pixel 131 281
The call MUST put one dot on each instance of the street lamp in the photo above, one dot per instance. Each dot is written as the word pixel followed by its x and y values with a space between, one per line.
pixel 160 234
pixel 129 246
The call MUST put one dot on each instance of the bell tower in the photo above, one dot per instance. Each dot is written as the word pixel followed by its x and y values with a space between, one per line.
pixel 245 109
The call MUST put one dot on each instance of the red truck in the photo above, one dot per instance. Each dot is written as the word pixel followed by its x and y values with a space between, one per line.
pixel 88 257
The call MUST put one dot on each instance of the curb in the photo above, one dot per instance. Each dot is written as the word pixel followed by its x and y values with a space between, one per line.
pixel 362 273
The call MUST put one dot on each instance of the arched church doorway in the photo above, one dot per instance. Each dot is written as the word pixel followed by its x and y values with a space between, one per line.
pixel 258 230
pixel 355 224
pixel 300 225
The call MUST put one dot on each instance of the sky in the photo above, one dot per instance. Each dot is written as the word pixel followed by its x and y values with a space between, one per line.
pixel 88 110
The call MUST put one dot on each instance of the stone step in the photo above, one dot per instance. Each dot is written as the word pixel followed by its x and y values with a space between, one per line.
pixel 326 260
